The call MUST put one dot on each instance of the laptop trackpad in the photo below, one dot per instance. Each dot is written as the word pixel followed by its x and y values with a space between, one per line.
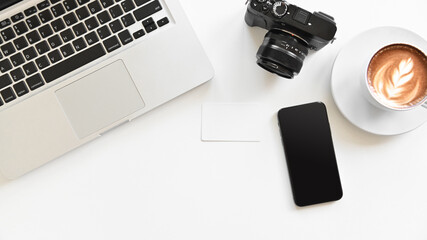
pixel 100 99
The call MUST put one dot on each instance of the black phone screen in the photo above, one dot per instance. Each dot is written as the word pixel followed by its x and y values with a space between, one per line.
pixel 310 154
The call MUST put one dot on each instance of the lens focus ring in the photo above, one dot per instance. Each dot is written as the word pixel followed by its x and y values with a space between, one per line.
pixel 282 53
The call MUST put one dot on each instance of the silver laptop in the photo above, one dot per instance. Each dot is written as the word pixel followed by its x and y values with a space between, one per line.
pixel 73 69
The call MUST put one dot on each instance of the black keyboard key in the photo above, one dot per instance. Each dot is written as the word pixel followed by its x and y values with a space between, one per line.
pixel 42 47
pixel 30 53
pixel 163 22
pixel 79 44
pixel 5 81
pixel 1 102
pixel 17 59
pixel 147 10
pixel 54 41
pixel 79 29
pixel 125 37
pixel 140 2
pixel 81 2
pixel 91 23
pixel 45 31
pixel 30 68
pixel 150 28
pixel 147 22
pixel 35 82
pixel 4 23
pixel 73 63
pixel 107 3
pixel 54 56
pixel 33 22
pixel 70 4
pixel 8 49
pixel 20 88
pixel 82 13
pixel 43 5
pixel 54 1
pixel 67 50
pixel 138 34
pixel 91 38
pixel 58 25
pixel 5 65
pixel 111 44
pixel 20 43
pixel 103 17
pixel 103 32
pixel 67 35
pixel 8 34
pixel 17 17
pixel 42 62
pixel 45 16
pixel 116 11
pixel 17 74
pixel 58 10
pixel 115 26
pixel 33 37
pixel 30 11
pixel 94 7
pixel 149 25
pixel 70 19
pixel 128 5
pixel 128 20
pixel 8 95
pixel 20 28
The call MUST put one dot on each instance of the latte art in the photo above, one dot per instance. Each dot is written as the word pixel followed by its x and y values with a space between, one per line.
pixel 394 83
pixel 397 74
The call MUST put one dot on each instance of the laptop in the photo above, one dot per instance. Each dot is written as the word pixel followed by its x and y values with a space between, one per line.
pixel 71 70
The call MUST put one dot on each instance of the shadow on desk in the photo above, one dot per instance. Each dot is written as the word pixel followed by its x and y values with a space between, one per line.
pixel 330 204
pixel 351 133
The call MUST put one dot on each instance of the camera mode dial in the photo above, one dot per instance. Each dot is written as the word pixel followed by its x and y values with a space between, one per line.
pixel 280 8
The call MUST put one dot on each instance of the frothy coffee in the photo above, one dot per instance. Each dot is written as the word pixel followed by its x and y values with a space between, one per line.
pixel 397 74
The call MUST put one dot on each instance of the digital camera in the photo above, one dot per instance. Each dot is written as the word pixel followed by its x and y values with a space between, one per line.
pixel 291 32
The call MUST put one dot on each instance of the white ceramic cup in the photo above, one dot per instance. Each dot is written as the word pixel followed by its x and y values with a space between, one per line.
pixel 373 97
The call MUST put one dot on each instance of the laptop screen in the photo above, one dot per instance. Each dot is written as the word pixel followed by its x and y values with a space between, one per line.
pixel 7 3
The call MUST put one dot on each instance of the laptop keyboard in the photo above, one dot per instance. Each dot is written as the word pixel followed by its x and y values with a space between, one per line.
pixel 56 37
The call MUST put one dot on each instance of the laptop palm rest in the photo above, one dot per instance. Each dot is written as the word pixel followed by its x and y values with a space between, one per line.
pixel 100 99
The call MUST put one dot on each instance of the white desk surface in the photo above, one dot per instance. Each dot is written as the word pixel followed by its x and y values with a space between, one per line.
pixel 154 179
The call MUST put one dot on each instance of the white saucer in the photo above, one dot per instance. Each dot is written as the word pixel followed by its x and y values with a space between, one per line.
pixel 346 87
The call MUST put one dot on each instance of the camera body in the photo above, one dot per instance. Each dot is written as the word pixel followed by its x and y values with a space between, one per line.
pixel 292 31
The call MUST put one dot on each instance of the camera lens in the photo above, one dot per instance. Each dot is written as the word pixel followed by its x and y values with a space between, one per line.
pixel 282 53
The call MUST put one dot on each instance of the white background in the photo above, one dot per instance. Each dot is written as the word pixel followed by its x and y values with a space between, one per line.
pixel 154 179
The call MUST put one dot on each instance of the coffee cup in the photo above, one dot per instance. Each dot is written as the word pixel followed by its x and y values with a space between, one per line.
pixel 395 77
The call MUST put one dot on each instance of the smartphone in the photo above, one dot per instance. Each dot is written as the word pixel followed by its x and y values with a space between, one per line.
pixel 310 154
